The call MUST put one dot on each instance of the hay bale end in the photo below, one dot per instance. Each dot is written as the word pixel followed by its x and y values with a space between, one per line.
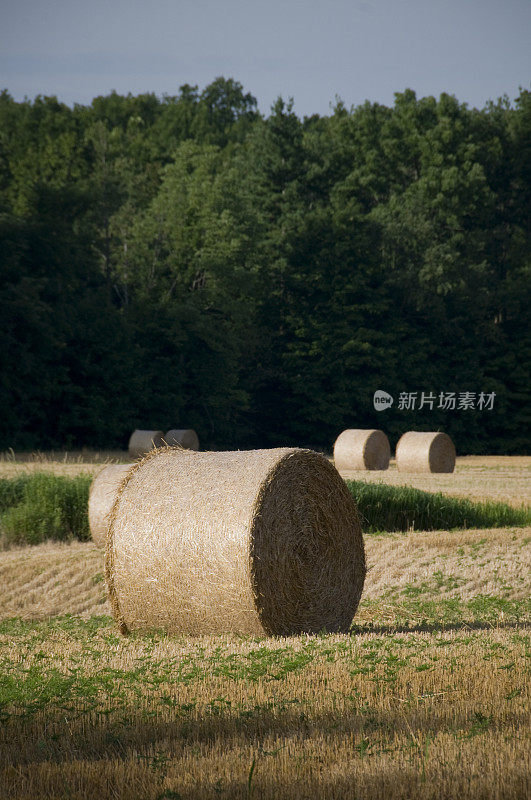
pixel 362 449
pixel 421 451
pixel 141 442
pixel 186 438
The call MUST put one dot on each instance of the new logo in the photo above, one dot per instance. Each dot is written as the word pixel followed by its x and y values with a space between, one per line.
pixel 382 400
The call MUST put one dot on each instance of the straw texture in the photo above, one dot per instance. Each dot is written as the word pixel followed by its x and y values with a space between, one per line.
pixel 419 451
pixel 362 449
pixel 141 442
pixel 101 499
pixel 186 438
pixel 260 541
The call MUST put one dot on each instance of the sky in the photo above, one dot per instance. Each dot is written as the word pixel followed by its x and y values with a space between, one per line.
pixel 311 50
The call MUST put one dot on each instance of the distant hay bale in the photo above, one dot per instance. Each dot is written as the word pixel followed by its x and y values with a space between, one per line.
pixel 101 499
pixel 419 451
pixel 186 438
pixel 260 541
pixel 141 442
pixel 362 449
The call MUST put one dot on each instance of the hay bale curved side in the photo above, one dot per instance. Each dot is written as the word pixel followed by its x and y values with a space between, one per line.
pixel 141 442
pixel 103 491
pixel 362 449
pixel 260 541
pixel 425 451
pixel 187 438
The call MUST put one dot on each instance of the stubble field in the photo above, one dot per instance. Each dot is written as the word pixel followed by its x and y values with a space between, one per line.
pixel 427 697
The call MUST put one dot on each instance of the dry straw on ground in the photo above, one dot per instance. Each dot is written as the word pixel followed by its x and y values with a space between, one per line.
pixel 141 442
pixel 362 449
pixel 182 438
pixel 260 541
pixel 101 499
pixel 420 451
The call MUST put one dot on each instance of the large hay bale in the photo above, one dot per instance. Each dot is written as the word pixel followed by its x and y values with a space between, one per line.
pixel 420 451
pixel 102 495
pixel 182 438
pixel 362 449
pixel 260 541
pixel 141 442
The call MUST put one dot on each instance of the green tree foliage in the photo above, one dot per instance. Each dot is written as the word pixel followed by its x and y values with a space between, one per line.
pixel 64 350
pixel 187 268
pixel 184 260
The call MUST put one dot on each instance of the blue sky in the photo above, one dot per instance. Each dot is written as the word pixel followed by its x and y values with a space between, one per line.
pixel 308 50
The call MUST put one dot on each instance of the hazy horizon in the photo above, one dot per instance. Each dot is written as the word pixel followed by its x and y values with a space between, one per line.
pixel 357 51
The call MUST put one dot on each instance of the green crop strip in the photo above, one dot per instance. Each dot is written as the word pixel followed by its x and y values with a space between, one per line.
pixel 42 506
pixel 403 508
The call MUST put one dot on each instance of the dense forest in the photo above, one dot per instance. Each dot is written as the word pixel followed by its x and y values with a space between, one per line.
pixel 186 261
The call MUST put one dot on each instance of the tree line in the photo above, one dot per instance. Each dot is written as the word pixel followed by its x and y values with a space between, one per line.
pixel 187 261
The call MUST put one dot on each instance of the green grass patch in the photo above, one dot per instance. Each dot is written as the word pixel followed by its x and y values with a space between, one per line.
pixel 41 506
pixel 403 508
pixel 74 627
pixel 12 491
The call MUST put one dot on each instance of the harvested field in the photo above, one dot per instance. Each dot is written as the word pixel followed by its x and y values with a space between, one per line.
pixel 430 684
pixel 54 578
pixel 62 462
pixel 427 697
pixel 383 714
pixel 503 478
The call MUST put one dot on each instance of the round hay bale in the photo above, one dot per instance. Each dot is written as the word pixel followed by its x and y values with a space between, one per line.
pixel 186 438
pixel 259 541
pixel 362 449
pixel 419 451
pixel 102 495
pixel 141 442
